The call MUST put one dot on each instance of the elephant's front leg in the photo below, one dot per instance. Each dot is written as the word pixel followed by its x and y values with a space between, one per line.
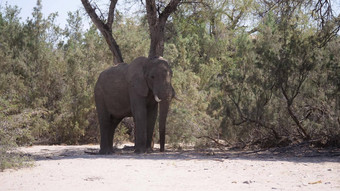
pixel 151 120
pixel 139 113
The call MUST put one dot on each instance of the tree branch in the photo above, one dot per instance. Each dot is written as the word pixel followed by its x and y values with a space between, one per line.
pixel 170 8
pixel 111 12
pixel 92 13
pixel 220 145
pixel 101 17
pixel 105 28
pixel 247 119
pixel 293 116
pixel 151 12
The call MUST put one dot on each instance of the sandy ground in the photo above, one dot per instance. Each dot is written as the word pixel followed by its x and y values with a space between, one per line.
pixel 65 168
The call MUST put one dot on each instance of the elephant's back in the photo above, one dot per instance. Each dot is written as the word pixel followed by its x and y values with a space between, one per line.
pixel 115 70
pixel 114 74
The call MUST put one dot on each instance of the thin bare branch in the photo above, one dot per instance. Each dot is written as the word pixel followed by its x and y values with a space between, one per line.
pixel 105 28
pixel 170 8
pixel 220 145
pixel 293 116
pixel 110 16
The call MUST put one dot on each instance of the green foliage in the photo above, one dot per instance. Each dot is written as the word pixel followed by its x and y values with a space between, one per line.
pixel 47 81
pixel 12 132
pixel 276 86
pixel 133 39
pixel 188 121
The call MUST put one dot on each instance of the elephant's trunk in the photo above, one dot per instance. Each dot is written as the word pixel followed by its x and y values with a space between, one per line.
pixel 163 112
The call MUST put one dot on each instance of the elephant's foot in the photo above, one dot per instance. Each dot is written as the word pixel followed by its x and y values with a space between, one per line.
pixel 149 150
pixel 140 150
pixel 106 151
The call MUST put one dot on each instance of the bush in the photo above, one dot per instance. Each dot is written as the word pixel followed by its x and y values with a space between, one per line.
pixel 10 136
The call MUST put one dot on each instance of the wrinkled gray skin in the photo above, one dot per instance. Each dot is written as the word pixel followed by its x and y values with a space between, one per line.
pixel 135 90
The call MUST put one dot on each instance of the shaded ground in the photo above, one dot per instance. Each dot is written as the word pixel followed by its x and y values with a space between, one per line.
pixel 73 168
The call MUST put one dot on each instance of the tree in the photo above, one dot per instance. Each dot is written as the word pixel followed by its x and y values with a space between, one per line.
pixel 156 20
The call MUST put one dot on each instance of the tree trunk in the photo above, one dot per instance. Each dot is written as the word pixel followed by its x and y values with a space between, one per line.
pixel 157 25
pixel 105 28
pixel 157 41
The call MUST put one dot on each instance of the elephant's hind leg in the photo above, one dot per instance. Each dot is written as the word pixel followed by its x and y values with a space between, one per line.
pixel 111 131
pixel 105 132
pixel 108 126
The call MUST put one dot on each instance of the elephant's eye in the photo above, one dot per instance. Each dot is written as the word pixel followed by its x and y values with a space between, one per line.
pixel 152 77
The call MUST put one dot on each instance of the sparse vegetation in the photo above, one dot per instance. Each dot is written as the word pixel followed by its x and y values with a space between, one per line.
pixel 270 82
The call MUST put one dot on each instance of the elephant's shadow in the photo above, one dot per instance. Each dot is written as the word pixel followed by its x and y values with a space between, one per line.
pixel 127 152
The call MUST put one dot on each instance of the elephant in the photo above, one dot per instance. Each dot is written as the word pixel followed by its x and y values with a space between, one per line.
pixel 136 90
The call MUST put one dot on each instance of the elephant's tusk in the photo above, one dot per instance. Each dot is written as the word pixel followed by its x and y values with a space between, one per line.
pixel 157 99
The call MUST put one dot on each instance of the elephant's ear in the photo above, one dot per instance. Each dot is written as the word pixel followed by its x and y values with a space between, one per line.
pixel 136 77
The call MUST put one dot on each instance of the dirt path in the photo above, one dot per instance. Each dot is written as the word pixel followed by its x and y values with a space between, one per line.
pixel 65 168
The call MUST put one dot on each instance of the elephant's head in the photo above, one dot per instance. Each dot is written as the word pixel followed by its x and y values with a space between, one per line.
pixel 154 76
pixel 158 78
